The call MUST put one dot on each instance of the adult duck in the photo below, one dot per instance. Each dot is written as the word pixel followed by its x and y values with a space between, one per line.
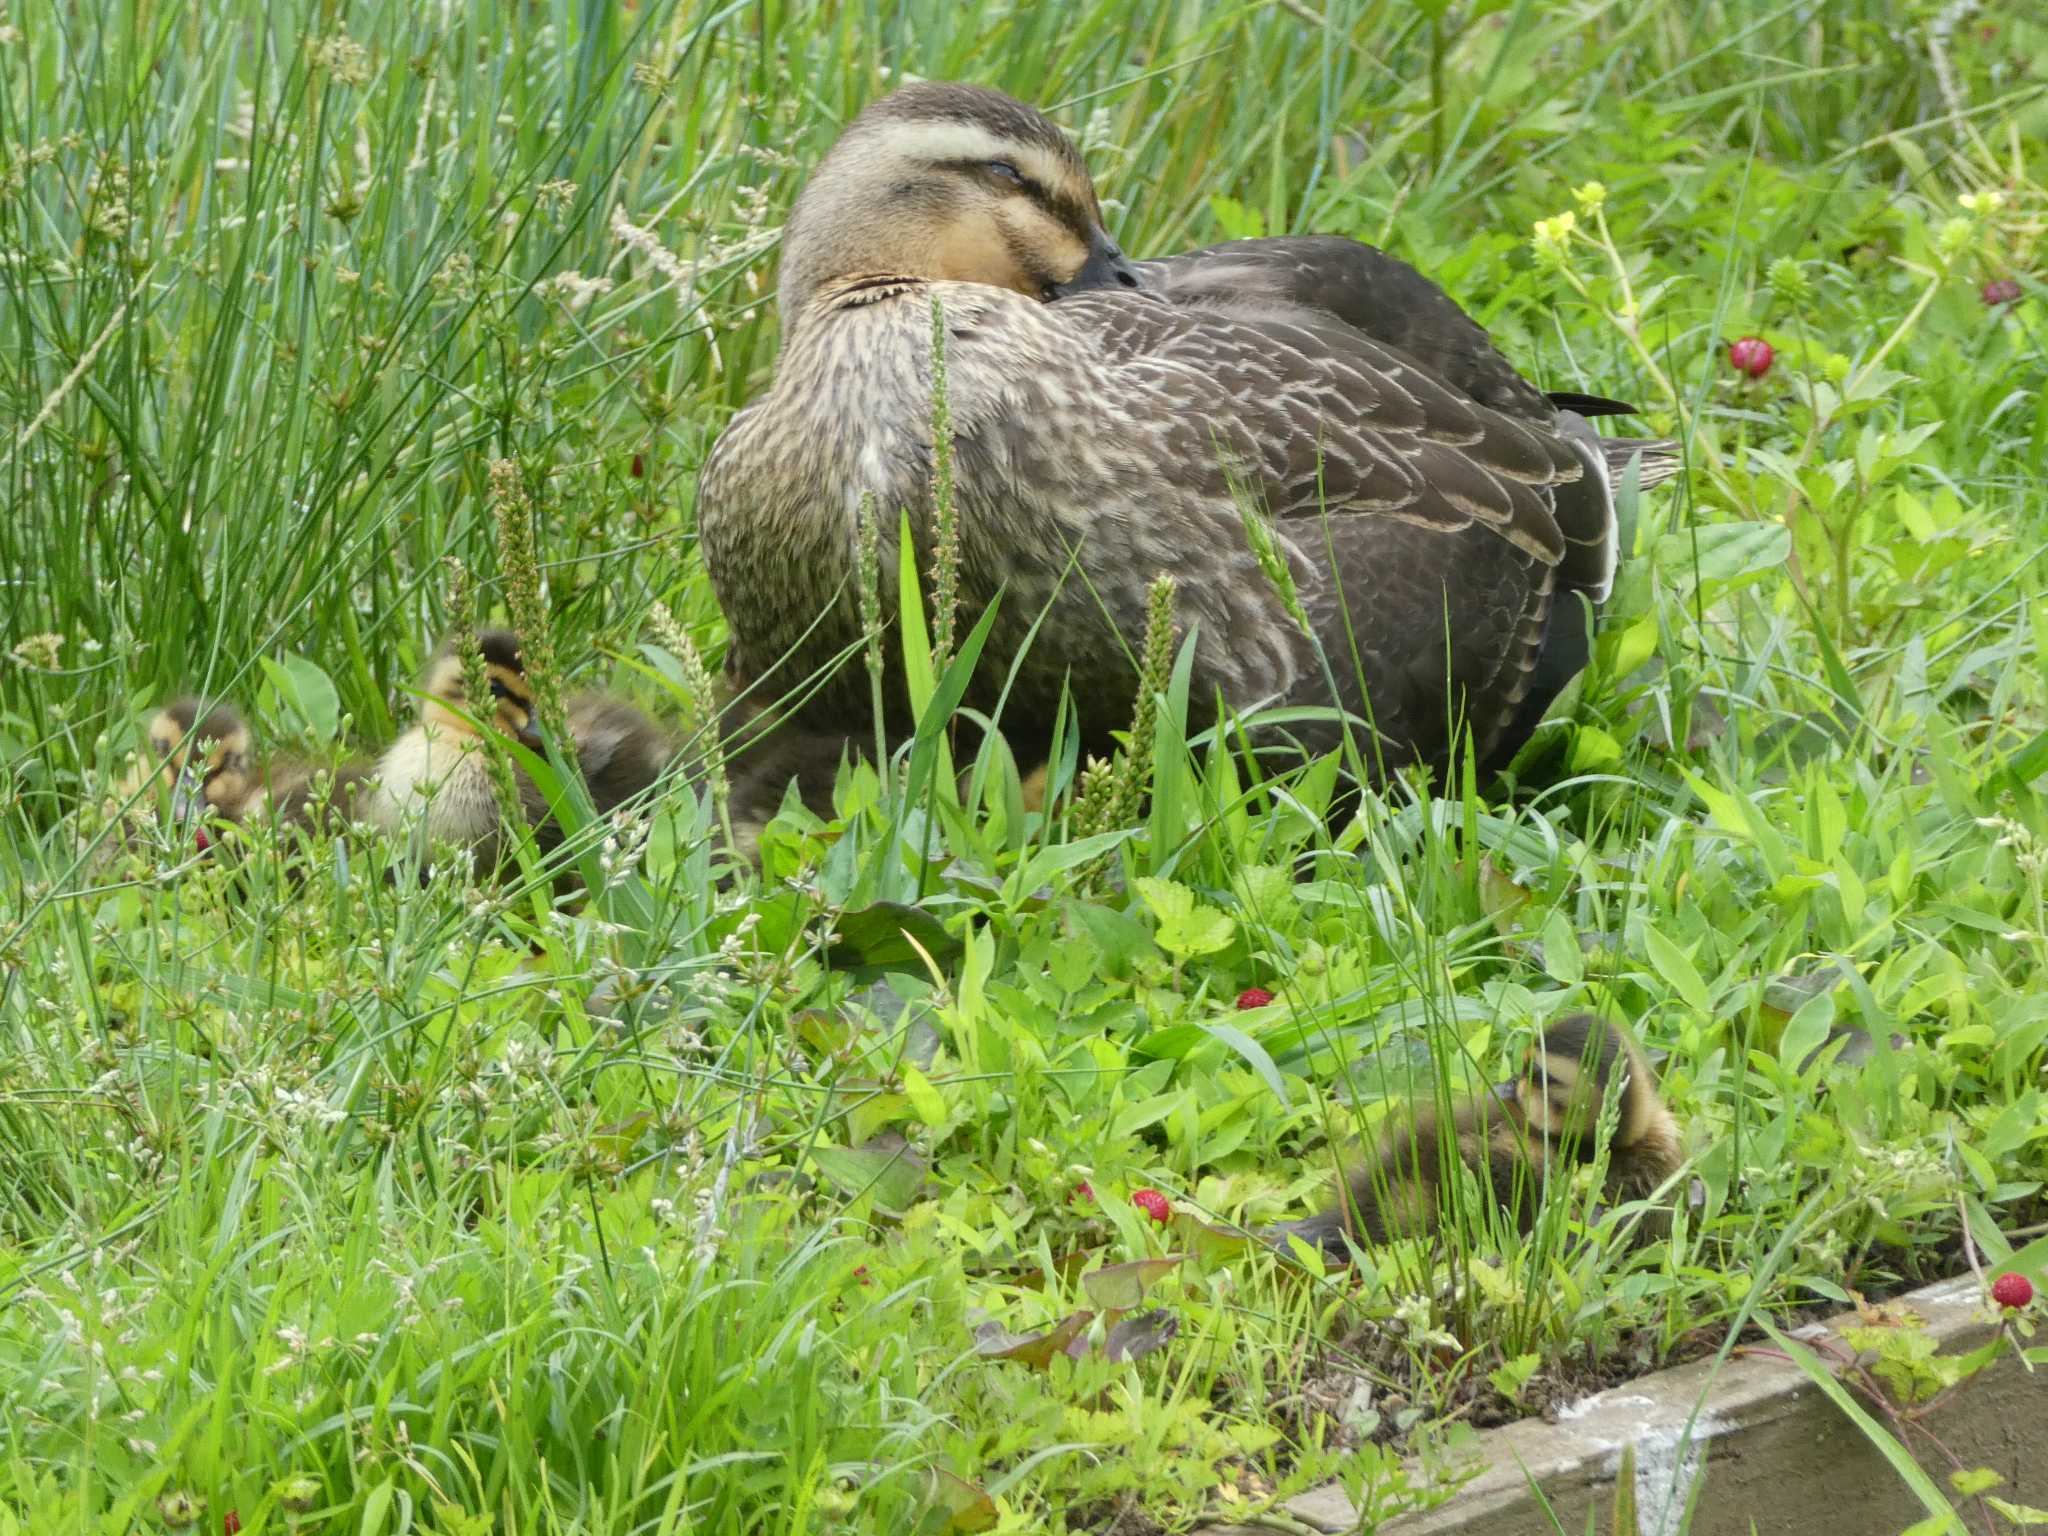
pixel 1440 517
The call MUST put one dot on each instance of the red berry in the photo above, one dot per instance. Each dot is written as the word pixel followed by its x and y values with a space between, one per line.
pixel 1153 1204
pixel 1081 1191
pixel 230 1523
pixel 861 1274
pixel 2012 1290
pixel 639 466
pixel 1751 355
pixel 2000 290
pixel 1254 997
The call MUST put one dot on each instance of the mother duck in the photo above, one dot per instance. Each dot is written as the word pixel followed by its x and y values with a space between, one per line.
pixel 1115 420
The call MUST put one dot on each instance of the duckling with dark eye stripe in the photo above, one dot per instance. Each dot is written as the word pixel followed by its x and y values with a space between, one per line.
pixel 200 754
pixel 1548 1115
pixel 437 779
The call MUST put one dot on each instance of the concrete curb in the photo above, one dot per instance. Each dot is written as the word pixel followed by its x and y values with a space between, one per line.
pixel 1779 1457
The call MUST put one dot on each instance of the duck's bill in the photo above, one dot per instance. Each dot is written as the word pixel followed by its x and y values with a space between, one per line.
pixel 1106 267
pixel 531 739
pixel 1505 1092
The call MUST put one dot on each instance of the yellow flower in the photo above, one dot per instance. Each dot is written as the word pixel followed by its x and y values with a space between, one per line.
pixel 1553 234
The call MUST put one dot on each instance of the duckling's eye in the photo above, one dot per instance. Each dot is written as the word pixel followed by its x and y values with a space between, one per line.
pixel 1002 170
pixel 499 690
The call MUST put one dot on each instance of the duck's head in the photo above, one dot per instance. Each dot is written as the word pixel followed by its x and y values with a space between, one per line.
pixel 1565 1079
pixel 446 707
pixel 204 755
pixel 942 181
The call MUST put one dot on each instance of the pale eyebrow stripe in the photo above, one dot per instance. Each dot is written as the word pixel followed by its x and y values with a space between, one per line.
pixel 947 139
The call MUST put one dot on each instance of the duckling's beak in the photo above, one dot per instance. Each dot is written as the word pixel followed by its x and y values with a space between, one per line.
pixel 1106 267
pixel 531 738
pixel 1506 1092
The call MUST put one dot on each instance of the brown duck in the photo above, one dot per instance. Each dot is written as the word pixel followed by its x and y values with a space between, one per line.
pixel 1440 516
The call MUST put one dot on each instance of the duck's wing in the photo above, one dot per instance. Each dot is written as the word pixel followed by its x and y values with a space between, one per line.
pixel 1321 417
pixel 1431 534
pixel 1373 293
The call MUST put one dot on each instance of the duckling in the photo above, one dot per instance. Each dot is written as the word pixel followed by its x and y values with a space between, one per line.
pixel 619 749
pixel 313 797
pixel 437 778
pixel 200 755
pixel 1547 1115
pixel 1445 523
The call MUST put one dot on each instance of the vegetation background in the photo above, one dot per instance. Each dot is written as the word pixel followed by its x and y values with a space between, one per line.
pixel 329 1203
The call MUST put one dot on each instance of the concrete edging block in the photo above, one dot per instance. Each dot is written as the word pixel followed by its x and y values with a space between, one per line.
pixel 1778 1455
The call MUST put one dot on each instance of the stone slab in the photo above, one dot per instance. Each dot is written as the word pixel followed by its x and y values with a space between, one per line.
pixel 1778 1456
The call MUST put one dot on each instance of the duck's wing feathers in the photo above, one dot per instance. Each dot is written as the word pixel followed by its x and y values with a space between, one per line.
pixel 1367 290
pixel 1321 417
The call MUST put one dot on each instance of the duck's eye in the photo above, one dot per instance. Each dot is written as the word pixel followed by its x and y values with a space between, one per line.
pixel 1002 170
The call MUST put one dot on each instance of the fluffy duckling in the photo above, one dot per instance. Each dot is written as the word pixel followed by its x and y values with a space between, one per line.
pixel 200 755
pixel 620 750
pixel 313 797
pixel 1547 1115
pixel 436 778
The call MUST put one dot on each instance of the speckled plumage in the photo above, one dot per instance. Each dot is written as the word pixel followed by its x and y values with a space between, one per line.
pixel 1113 434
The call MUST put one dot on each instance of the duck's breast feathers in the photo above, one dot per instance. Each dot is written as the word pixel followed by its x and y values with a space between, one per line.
pixel 1322 416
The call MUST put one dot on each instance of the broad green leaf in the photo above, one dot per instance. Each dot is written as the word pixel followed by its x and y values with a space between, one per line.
pixel 377 1507
pixel 1168 899
pixel 1677 970
pixel 926 1100
pixel 1808 1028
pixel 308 693
pixel 1724 551
pixel 1563 960
pixel 891 1175
pixel 1120 1287
pixel 880 934
pixel 1186 929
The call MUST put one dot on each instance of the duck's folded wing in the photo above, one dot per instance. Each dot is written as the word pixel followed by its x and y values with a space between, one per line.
pixel 1360 286
pixel 1320 417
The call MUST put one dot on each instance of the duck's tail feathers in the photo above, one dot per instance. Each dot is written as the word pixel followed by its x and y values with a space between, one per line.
pixel 1661 460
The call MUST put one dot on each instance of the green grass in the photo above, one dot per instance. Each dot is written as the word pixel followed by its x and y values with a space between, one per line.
pixel 334 1202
